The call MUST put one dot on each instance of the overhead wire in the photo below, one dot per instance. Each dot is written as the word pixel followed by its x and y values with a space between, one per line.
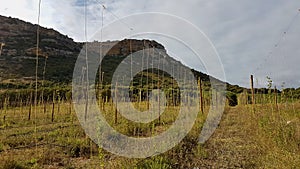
pixel 86 59
pixel 36 69
pixel 278 43
pixel 101 53
pixel 113 14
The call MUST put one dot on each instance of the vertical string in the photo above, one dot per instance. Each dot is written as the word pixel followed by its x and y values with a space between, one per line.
pixel 130 48
pixel 86 59
pixel 101 56
pixel 36 71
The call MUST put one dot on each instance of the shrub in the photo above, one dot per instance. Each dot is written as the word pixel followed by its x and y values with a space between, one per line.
pixel 155 163
pixel 232 99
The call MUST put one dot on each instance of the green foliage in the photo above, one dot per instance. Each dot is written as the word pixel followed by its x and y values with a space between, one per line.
pixel 234 88
pixel 26 96
pixel 12 164
pixel 269 82
pixel 154 163
pixel 292 93
pixel 232 98
pixel 79 149
pixel 200 151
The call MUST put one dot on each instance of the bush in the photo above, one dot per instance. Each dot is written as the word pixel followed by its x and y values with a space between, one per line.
pixel 232 99
pixel 79 149
pixel 155 163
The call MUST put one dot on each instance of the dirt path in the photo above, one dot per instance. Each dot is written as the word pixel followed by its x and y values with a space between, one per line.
pixel 232 144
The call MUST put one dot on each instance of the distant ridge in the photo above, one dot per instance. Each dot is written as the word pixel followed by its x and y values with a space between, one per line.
pixel 17 60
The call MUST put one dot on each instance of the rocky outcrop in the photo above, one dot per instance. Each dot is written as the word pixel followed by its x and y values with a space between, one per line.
pixel 19 53
pixel 58 52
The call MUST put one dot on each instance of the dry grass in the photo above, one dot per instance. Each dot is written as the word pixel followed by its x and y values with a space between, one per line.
pixel 247 137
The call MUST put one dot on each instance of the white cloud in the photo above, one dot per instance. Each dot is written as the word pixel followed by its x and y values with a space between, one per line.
pixel 19 9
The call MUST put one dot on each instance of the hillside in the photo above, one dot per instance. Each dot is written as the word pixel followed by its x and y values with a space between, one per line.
pixel 18 55
pixel 59 53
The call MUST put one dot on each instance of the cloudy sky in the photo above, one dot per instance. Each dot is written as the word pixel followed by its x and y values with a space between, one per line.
pixel 251 37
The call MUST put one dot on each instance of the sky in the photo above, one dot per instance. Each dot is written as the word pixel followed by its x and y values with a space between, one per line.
pixel 251 37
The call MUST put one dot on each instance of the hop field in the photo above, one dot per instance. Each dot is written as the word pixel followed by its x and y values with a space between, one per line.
pixel 248 136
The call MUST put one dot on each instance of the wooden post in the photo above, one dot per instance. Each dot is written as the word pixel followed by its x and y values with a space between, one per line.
pixel 116 110
pixel 276 100
pixel 86 102
pixel 70 106
pixel 216 97
pixel 52 113
pixel 173 95
pixel 201 95
pixel 1 46
pixel 140 99
pixel 29 112
pixel 53 106
pixel 58 106
pixel 45 107
pixel 5 108
pixel 30 106
pixel 252 89
pixel 158 101
pixel 21 107
pixel 147 92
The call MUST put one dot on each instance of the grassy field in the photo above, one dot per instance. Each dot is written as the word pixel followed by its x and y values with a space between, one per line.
pixel 260 136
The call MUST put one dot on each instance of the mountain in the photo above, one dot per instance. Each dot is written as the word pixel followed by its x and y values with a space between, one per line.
pixel 18 55
pixel 58 54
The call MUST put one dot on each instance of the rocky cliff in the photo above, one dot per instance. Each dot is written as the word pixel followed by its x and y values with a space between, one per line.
pixel 57 53
pixel 18 57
